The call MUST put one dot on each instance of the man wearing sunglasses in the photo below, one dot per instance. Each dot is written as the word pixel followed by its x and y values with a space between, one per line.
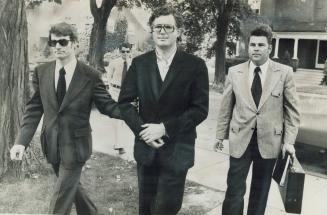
pixel 116 72
pixel 63 92
pixel 172 88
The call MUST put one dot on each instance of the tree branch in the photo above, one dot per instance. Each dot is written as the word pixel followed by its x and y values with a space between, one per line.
pixel 214 10
pixel 107 6
pixel 94 9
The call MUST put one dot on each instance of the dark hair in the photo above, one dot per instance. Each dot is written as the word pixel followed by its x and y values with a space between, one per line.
pixel 263 30
pixel 64 29
pixel 125 45
pixel 165 11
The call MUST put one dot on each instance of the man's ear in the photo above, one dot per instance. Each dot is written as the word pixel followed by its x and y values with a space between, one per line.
pixel 270 48
pixel 76 45
pixel 180 32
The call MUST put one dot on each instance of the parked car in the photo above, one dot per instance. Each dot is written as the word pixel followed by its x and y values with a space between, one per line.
pixel 313 127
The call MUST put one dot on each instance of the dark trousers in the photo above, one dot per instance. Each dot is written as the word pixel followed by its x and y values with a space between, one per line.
pixel 236 182
pixel 68 190
pixel 161 189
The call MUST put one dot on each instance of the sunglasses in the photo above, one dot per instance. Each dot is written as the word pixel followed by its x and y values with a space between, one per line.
pixel 62 42
pixel 124 51
pixel 167 28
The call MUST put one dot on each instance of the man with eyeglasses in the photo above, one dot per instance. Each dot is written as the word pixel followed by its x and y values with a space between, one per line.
pixel 116 72
pixel 63 92
pixel 172 88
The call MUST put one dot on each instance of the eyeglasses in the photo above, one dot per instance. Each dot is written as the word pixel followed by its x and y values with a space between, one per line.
pixel 62 42
pixel 167 28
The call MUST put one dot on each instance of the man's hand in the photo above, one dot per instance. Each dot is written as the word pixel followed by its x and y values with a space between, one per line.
pixel 156 144
pixel 218 146
pixel 288 148
pixel 152 132
pixel 17 152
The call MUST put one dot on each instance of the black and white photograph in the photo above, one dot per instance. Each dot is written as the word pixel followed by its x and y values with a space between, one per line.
pixel 163 107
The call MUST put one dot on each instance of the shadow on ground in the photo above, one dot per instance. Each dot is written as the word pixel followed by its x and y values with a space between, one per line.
pixel 313 159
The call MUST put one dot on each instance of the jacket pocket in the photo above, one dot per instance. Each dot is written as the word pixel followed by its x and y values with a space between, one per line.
pixel 82 132
pixel 235 128
pixel 277 91
pixel 278 130
pixel 83 143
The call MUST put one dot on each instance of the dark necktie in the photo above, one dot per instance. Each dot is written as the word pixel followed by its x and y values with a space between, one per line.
pixel 256 87
pixel 124 72
pixel 61 86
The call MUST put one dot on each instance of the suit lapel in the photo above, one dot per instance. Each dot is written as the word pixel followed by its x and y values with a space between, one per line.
pixel 154 76
pixel 49 83
pixel 79 80
pixel 272 77
pixel 172 72
pixel 243 83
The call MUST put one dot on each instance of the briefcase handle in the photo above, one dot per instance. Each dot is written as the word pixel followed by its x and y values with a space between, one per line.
pixel 292 163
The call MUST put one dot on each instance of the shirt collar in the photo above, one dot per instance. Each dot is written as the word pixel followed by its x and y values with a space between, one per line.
pixel 69 68
pixel 263 67
pixel 170 56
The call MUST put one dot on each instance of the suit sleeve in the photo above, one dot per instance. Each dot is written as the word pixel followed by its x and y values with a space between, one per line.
pixel 103 100
pixel 32 114
pixel 128 94
pixel 291 111
pixel 198 107
pixel 226 109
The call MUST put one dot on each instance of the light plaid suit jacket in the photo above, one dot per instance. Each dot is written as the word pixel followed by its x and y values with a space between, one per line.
pixel 277 117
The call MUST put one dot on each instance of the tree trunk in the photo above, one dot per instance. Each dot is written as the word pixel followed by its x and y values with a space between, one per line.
pixel 98 33
pixel 14 74
pixel 97 39
pixel 220 49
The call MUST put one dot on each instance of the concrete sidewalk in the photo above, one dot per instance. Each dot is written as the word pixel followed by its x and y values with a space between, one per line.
pixel 211 168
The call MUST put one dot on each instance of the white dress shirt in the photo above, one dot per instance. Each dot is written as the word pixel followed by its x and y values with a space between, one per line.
pixel 164 63
pixel 115 70
pixel 262 73
pixel 69 68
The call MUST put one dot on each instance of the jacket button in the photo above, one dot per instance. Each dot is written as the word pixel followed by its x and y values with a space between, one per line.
pixel 258 113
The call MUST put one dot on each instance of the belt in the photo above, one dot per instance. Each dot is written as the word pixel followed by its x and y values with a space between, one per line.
pixel 115 86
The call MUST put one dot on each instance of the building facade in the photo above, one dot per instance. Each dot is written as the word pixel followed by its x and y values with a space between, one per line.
pixel 300 28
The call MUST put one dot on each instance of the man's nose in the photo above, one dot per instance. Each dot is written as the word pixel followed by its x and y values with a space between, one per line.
pixel 162 30
pixel 58 45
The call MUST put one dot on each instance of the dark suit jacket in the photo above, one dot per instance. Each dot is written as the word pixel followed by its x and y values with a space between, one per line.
pixel 180 102
pixel 66 126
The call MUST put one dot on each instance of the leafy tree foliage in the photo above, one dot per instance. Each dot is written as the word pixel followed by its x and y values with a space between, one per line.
pixel 218 20
pixel 116 38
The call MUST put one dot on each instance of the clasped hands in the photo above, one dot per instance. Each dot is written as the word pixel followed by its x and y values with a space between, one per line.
pixel 152 134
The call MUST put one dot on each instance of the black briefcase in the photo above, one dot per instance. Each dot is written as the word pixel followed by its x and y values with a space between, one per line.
pixel 289 175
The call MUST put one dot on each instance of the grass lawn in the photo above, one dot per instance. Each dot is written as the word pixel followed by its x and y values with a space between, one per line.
pixel 110 182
